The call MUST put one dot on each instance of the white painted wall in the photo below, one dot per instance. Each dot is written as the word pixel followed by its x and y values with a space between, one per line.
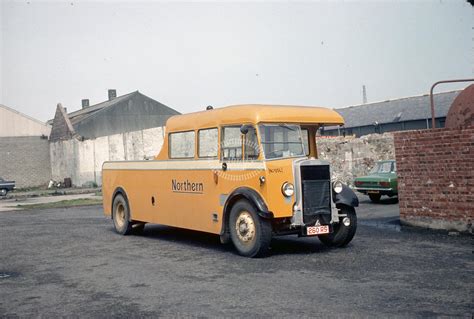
pixel 82 160
pixel 14 123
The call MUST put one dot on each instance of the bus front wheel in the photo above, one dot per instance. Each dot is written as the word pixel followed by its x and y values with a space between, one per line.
pixel 344 231
pixel 121 215
pixel 250 234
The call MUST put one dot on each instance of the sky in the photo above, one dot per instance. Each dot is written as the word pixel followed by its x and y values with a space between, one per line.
pixel 188 55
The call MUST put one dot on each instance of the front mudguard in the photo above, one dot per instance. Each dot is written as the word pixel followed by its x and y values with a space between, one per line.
pixel 242 193
pixel 345 197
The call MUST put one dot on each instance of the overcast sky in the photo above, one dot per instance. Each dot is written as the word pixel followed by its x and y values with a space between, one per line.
pixel 190 55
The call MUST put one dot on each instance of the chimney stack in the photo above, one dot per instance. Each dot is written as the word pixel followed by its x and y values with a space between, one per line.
pixel 112 94
pixel 85 103
pixel 364 95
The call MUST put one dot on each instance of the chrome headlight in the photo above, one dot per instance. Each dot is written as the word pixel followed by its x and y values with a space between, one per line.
pixel 337 187
pixel 287 189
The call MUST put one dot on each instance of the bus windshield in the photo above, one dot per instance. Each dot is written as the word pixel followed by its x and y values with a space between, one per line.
pixel 281 140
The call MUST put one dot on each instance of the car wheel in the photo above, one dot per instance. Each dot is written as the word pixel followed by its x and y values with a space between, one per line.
pixel 375 198
pixel 3 192
pixel 250 234
pixel 344 231
pixel 121 215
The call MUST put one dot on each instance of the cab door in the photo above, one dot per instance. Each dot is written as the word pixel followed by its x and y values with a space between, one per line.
pixel 240 158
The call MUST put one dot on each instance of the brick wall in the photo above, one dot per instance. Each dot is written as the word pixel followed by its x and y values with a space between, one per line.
pixel 25 160
pixel 436 178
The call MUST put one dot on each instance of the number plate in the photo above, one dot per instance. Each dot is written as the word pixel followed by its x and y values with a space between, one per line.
pixel 317 230
pixel 372 192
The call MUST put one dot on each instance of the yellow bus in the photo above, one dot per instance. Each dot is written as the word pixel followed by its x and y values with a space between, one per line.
pixel 243 172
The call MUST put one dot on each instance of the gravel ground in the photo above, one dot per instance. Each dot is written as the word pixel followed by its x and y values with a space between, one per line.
pixel 69 262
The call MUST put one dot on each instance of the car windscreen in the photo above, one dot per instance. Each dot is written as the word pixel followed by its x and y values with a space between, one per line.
pixel 382 167
pixel 281 140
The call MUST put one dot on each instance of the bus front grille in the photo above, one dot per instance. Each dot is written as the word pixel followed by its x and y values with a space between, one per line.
pixel 316 191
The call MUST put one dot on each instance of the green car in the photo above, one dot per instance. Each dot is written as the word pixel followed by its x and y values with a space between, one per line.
pixel 382 180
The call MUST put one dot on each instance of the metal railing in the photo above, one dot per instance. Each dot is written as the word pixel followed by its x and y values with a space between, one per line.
pixel 433 122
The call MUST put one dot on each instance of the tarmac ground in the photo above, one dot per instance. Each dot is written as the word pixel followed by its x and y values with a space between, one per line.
pixel 69 262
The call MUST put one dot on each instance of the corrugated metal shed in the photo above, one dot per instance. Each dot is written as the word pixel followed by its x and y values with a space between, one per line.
pixel 393 115
pixel 90 111
pixel 127 113
pixel 399 110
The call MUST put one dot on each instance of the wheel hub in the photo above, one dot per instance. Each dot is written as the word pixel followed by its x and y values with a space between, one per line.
pixel 245 227
pixel 120 215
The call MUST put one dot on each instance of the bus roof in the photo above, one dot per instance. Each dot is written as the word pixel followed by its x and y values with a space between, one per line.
pixel 254 113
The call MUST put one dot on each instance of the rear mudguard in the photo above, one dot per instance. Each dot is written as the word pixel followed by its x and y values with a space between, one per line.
pixel 345 197
pixel 120 190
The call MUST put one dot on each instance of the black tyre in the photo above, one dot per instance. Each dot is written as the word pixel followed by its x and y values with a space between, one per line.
pixel 121 215
pixel 342 234
pixel 138 228
pixel 250 234
pixel 375 198
pixel 3 192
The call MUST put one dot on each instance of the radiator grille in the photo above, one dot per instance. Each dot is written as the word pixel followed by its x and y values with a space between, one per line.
pixel 316 187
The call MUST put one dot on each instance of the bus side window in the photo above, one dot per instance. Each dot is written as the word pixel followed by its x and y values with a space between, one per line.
pixel 231 147
pixel 251 144
pixel 208 142
pixel 181 145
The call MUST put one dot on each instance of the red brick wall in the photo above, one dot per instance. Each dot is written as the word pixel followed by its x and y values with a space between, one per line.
pixel 436 177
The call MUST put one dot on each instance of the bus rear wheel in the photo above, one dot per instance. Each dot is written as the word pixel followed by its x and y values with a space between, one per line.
pixel 250 234
pixel 121 215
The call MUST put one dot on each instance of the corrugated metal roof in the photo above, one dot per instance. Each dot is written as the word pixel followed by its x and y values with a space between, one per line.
pixel 399 110
pixel 80 115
